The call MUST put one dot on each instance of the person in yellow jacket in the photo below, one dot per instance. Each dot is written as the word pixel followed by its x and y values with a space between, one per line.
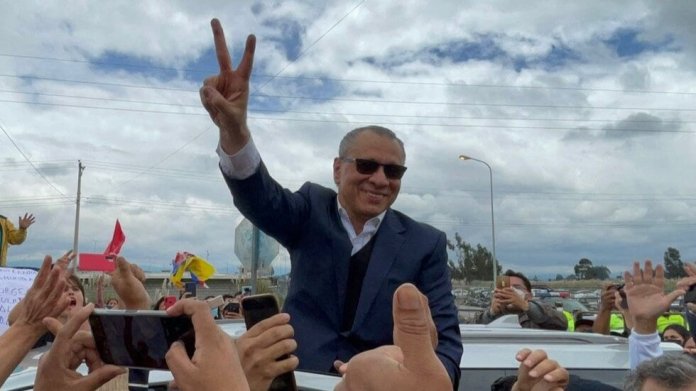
pixel 10 235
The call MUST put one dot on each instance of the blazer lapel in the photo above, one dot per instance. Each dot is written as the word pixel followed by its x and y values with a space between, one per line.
pixel 390 237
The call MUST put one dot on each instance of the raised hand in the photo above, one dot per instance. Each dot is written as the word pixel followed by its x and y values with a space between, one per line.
pixel 226 96
pixel 127 280
pixel 26 221
pixel 44 298
pixel 539 373
pixel 410 364
pixel 646 297
pixel 57 367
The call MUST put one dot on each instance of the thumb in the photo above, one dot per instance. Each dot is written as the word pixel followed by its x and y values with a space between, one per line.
pixel 412 327
pixel 123 266
pixel 100 376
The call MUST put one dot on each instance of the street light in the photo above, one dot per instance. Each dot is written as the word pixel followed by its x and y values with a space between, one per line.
pixel 490 172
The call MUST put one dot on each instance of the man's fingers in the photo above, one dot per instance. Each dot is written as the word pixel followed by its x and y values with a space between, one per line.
pixel 73 324
pixel 523 354
pixel 268 324
pixel 247 63
pixel 207 332
pixel 412 327
pixel 178 360
pixel 637 273
pixel 672 296
pixel 43 273
pixel 648 272
pixel 53 325
pixel 123 266
pixel 100 376
pixel 221 51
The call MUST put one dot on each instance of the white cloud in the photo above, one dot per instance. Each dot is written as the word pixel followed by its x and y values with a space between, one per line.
pixel 569 182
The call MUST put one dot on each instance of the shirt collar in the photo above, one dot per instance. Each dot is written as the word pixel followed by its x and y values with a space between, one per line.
pixel 371 225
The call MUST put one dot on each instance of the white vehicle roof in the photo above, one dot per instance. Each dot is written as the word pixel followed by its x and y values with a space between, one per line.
pixel 489 353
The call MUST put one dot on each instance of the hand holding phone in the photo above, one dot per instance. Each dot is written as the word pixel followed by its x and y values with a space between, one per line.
pixel 255 309
pixel 216 363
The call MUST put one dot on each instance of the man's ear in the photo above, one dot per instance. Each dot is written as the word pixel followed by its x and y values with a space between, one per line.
pixel 337 171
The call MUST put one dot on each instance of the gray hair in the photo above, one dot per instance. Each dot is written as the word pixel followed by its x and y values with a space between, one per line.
pixel 674 371
pixel 350 137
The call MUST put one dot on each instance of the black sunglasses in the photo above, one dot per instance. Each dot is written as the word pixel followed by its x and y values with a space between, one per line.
pixel 369 167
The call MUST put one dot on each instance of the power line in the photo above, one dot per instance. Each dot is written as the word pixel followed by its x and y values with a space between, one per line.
pixel 265 110
pixel 446 125
pixel 372 81
pixel 29 161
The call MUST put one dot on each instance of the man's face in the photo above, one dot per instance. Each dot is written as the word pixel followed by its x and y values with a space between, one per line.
pixel 365 196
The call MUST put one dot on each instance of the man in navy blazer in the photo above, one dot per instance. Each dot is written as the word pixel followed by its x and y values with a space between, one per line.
pixel 349 250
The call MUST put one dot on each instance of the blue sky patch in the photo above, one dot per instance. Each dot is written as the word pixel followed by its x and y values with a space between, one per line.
pixel 290 36
pixel 116 62
pixel 627 43
pixel 483 49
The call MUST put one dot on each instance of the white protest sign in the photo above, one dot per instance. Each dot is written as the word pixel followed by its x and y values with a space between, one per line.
pixel 14 284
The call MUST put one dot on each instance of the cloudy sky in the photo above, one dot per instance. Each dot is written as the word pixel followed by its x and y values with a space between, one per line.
pixel 584 110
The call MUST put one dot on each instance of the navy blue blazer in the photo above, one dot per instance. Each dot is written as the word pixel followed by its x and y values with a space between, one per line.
pixel 307 223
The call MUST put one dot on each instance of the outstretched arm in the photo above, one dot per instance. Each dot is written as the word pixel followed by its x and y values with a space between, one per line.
pixel 226 96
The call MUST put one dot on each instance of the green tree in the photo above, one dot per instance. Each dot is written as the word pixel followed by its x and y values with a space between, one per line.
pixel 559 277
pixel 472 263
pixel 598 273
pixel 582 268
pixel 674 267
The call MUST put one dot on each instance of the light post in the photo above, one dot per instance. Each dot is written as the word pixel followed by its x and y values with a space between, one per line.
pixel 490 172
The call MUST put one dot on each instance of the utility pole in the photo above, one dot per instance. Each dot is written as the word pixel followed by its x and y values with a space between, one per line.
pixel 80 168
pixel 255 239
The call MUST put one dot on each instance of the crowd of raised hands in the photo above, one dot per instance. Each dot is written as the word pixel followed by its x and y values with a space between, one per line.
pixel 249 362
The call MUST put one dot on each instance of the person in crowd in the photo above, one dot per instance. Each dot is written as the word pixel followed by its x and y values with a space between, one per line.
pixel 663 373
pixel 690 346
pixel 159 304
pixel 670 318
pixel 608 320
pixel 43 299
pixel 112 303
pixel 676 333
pixel 583 325
pixel 349 249
pixel 517 299
pixel 11 235
pixel 647 301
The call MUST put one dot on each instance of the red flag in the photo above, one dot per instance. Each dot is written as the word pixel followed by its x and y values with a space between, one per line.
pixel 114 246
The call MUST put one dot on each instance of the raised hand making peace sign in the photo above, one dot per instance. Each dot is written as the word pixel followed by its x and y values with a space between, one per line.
pixel 225 96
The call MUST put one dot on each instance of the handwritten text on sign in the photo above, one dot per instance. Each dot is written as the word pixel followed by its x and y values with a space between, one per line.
pixel 14 284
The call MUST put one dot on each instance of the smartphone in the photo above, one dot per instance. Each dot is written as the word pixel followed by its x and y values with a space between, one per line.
pixel 622 293
pixel 169 301
pixel 139 339
pixel 690 295
pixel 502 282
pixel 190 287
pixel 255 309
pixel 231 307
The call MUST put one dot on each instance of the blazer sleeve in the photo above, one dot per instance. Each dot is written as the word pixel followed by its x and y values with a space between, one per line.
pixel 275 210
